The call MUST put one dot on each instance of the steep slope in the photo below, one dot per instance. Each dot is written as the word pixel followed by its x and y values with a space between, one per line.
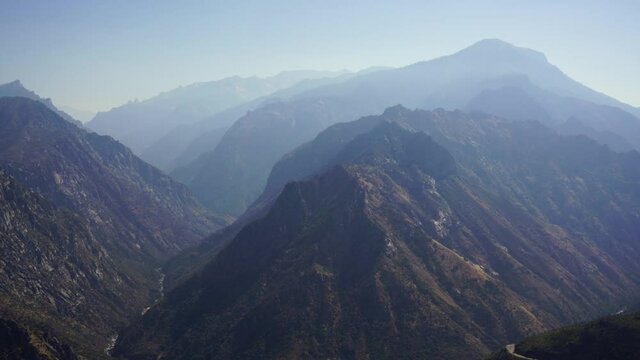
pixel 229 178
pixel 139 124
pixel 134 208
pixel 392 249
pixel 612 338
pixel 55 274
pixel 16 88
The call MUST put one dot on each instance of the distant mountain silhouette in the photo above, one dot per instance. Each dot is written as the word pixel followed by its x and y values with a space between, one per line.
pixel 140 124
pixel 476 78
pixel 451 81
pixel 189 142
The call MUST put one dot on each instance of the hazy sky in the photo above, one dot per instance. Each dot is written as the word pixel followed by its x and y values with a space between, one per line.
pixel 94 55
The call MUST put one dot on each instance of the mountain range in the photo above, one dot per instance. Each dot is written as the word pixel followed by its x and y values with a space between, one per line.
pixel 309 215
pixel 428 234
pixel 490 76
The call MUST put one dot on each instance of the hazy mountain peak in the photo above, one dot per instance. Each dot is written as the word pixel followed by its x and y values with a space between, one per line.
pixel 494 48
pixel 396 111
pixel 17 89
pixel 15 83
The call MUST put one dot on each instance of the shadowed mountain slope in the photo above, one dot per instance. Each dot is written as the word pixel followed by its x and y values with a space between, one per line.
pixel 17 342
pixel 85 224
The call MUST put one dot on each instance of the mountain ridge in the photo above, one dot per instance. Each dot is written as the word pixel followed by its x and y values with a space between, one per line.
pixel 16 88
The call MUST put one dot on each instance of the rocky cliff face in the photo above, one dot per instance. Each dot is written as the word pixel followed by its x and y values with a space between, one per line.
pixel 54 272
pixel 442 246
pixel 134 208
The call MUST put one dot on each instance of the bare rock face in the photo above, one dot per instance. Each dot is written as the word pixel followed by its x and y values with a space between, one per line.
pixel 54 272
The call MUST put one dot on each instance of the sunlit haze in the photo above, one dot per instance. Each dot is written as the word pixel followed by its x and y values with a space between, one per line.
pixel 94 55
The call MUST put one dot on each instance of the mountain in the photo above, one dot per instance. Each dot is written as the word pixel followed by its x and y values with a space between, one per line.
pixel 137 209
pixel 481 77
pixel 55 274
pixel 612 338
pixel 140 124
pixel 86 225
pixel 451 81
pixel 232 176
pixel 16 88
pixel 417 234
pixel 456 80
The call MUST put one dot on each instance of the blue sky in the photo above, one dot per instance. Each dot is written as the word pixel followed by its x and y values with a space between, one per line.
pixel 94 55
